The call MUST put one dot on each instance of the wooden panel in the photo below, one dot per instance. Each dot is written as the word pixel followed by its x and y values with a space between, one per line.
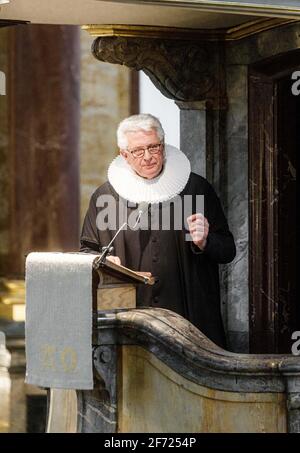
pixel 288 147
pixel 5 393
pixel 272 148
pixel 62 416
pixel 263 248
pixel 154 398
pixel 114 297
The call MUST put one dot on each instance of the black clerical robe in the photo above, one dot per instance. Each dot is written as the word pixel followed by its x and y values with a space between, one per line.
pixel 188 279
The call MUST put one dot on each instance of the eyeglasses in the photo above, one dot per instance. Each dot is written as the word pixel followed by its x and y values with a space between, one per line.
pixel 140 151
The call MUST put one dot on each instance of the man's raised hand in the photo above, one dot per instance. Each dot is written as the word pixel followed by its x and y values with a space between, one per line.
pixel 198 228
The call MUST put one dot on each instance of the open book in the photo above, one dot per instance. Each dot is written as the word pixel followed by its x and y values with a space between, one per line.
pixel 125 272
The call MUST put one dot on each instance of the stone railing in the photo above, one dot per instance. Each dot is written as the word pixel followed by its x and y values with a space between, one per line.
pixel 155 372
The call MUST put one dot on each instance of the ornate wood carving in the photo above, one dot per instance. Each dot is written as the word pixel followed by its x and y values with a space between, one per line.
pixel 181 70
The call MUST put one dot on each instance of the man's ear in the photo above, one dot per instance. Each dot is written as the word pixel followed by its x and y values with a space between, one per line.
pixel 124 154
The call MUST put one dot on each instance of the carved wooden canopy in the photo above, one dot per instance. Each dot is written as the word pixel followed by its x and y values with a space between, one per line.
pixel 185 71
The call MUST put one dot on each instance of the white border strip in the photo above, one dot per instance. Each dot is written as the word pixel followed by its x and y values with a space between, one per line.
pixel 226 7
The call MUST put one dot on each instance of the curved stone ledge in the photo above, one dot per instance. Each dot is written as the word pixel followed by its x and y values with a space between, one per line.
pixel 181 346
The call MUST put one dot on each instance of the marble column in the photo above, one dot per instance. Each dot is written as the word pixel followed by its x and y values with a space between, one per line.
pixel 39 138
pixel 39 170
pixel 235 275
pixel 5 386
pixel 193 138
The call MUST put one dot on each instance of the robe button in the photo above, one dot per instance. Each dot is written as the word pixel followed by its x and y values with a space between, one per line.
pixel 154 239
pixel 155 300
pixel 155 259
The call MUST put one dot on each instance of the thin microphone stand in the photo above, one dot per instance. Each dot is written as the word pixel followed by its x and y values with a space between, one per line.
pixel 108 248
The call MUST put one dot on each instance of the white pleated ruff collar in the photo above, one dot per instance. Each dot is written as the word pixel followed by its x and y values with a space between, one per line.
pixel 169 183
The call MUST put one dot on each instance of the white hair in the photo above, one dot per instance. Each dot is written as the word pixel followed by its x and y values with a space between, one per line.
pixel 134 123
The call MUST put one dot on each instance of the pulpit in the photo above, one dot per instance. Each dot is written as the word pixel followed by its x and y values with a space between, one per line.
pixel 155 372
pixel 115 286
pixel 114 290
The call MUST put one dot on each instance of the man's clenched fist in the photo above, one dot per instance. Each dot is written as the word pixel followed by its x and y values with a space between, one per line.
pixel 198 227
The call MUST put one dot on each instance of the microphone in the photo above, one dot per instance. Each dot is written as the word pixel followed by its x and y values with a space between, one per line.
pixel 142 208
pixel 105 250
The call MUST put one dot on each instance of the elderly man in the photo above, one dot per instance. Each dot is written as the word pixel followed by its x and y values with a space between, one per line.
pixel 148 171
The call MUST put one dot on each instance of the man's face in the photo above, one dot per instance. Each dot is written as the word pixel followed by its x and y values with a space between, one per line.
pixel 149 164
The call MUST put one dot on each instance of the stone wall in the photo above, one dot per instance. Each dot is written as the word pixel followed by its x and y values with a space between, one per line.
pixel 216 142
pixel 235 277
pixel 105 101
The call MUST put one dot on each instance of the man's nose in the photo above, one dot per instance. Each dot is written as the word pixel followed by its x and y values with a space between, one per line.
pixel 147 155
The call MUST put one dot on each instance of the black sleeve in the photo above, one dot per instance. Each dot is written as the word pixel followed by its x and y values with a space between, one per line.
pixel 220 246
pixel 89 239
